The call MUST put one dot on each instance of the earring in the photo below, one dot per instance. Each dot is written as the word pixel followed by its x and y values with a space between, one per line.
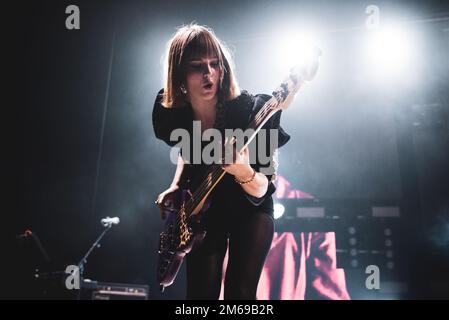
pixel 183 89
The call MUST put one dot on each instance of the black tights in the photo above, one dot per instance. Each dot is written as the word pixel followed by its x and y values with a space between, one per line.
pixel 249 242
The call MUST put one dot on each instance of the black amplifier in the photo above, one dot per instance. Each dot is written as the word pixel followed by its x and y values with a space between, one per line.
pixel 114 291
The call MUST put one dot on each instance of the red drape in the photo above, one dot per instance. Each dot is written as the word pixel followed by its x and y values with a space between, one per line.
pixel 299 265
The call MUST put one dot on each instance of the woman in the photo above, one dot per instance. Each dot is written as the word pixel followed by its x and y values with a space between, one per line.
pixel 200 85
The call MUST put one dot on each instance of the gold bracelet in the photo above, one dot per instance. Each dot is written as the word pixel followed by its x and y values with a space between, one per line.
pixel 247 181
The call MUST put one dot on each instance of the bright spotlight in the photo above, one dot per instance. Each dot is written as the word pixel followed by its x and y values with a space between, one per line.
pixel 294 50
pixel 389 50
pixel 279 210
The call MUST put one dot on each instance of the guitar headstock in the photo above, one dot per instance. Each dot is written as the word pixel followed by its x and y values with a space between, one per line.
pixel 300 73
pixel 307 69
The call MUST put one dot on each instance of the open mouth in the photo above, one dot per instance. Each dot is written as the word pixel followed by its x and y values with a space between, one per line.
pixel 208 86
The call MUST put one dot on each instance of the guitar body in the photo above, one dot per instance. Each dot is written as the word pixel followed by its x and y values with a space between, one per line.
pixel 182 232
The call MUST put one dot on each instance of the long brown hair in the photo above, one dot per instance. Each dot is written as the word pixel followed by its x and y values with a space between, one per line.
pixel 192 42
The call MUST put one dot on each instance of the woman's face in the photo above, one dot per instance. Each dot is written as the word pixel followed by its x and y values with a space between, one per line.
pixel 203 78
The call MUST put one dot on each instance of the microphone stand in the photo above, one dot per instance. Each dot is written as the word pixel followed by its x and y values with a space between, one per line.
pixel 83 261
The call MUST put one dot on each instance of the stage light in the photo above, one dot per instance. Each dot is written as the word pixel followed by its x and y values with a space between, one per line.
pixel 279 210
pixel 389 50
pixel 294 49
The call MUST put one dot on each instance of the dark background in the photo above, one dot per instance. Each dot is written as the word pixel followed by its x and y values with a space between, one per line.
pixel 83 145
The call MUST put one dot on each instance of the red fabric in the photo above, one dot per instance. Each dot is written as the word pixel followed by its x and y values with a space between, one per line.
pixel 283 190
pixel 302 266
pixel 299 265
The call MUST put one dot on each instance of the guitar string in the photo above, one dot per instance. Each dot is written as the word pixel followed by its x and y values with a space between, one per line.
pixel 217 170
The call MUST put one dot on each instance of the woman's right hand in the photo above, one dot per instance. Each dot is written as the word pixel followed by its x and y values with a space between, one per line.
pixel 168 201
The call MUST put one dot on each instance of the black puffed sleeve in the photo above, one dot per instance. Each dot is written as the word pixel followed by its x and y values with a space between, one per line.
pixel 269 169
pixel 274 122
pixel 257 102
pixel 165 120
